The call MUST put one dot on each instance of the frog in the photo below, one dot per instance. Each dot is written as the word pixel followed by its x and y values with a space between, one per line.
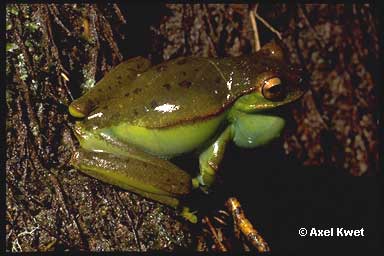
pixel 139 117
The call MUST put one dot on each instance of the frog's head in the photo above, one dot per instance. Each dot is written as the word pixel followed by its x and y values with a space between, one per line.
pixel 275 83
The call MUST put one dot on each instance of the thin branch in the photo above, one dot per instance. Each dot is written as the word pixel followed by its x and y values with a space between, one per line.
pixel 130 220
pixel 252 15
pixel 269 26
pixel 318 38
pixel 54 12
pixel 220 246
pixel 60 197
pixel 212 37
pixel 119 14
pixel 246 226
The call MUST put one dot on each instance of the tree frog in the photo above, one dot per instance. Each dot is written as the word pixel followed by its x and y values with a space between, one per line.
pixel 139 116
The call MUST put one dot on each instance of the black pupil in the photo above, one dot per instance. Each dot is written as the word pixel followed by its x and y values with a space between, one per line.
pixel 276 89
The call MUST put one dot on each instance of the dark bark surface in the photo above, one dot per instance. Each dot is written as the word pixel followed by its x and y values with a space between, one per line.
pixel 54 53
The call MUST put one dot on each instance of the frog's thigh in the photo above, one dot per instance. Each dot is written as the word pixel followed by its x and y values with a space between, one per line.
pixel 210 159
pixel 149 178
pixel 115 82
pixel 251 130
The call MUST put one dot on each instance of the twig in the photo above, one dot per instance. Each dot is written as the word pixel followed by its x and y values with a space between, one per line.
pixel 52 52
pixel 33 120
pixel 45 248
pixel 130 220
pixel 53 10
pixel 106 30
pixel 245 225
pixel 119 14
pixel 60 197
pixel 220 221
pixel 313 30
pixel 212 37
pixel 252 15
pixel 278 34
pixel 215 236
pixel 224 213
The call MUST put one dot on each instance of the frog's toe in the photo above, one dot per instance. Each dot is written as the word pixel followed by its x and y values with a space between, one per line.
pixel 198 182
pixel 188 215
pixel 195 183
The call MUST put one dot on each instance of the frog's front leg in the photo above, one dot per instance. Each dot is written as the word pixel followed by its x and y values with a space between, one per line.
pixel 247 131
pixel 115 83
pixel 210 159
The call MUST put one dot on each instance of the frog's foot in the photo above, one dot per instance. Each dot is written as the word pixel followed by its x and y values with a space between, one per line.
pixel 200 182
pixel 188 215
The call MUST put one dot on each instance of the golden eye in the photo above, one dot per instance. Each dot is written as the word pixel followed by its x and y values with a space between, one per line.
pixel 273 89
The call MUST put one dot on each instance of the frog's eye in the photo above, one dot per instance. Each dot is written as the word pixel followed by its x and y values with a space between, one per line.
pixel 273 89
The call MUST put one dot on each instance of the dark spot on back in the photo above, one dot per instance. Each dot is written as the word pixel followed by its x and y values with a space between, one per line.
pixel 184 73
pixel 154 104
pixel 137 90
pixel 185 84
pixel 126 94
pixel 196 69
pixel 167 86
pixel 109 87
pixel 182 61
pixel 161 68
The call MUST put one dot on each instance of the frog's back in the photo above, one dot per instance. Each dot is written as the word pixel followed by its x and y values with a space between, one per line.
pixel 186 89
pixel 165 95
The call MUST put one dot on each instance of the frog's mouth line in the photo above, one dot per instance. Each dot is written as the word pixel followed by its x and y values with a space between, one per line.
pixel 281 111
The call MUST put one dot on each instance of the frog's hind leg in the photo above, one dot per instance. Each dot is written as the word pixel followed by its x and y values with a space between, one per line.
pixel 150 177
pixel 115 83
